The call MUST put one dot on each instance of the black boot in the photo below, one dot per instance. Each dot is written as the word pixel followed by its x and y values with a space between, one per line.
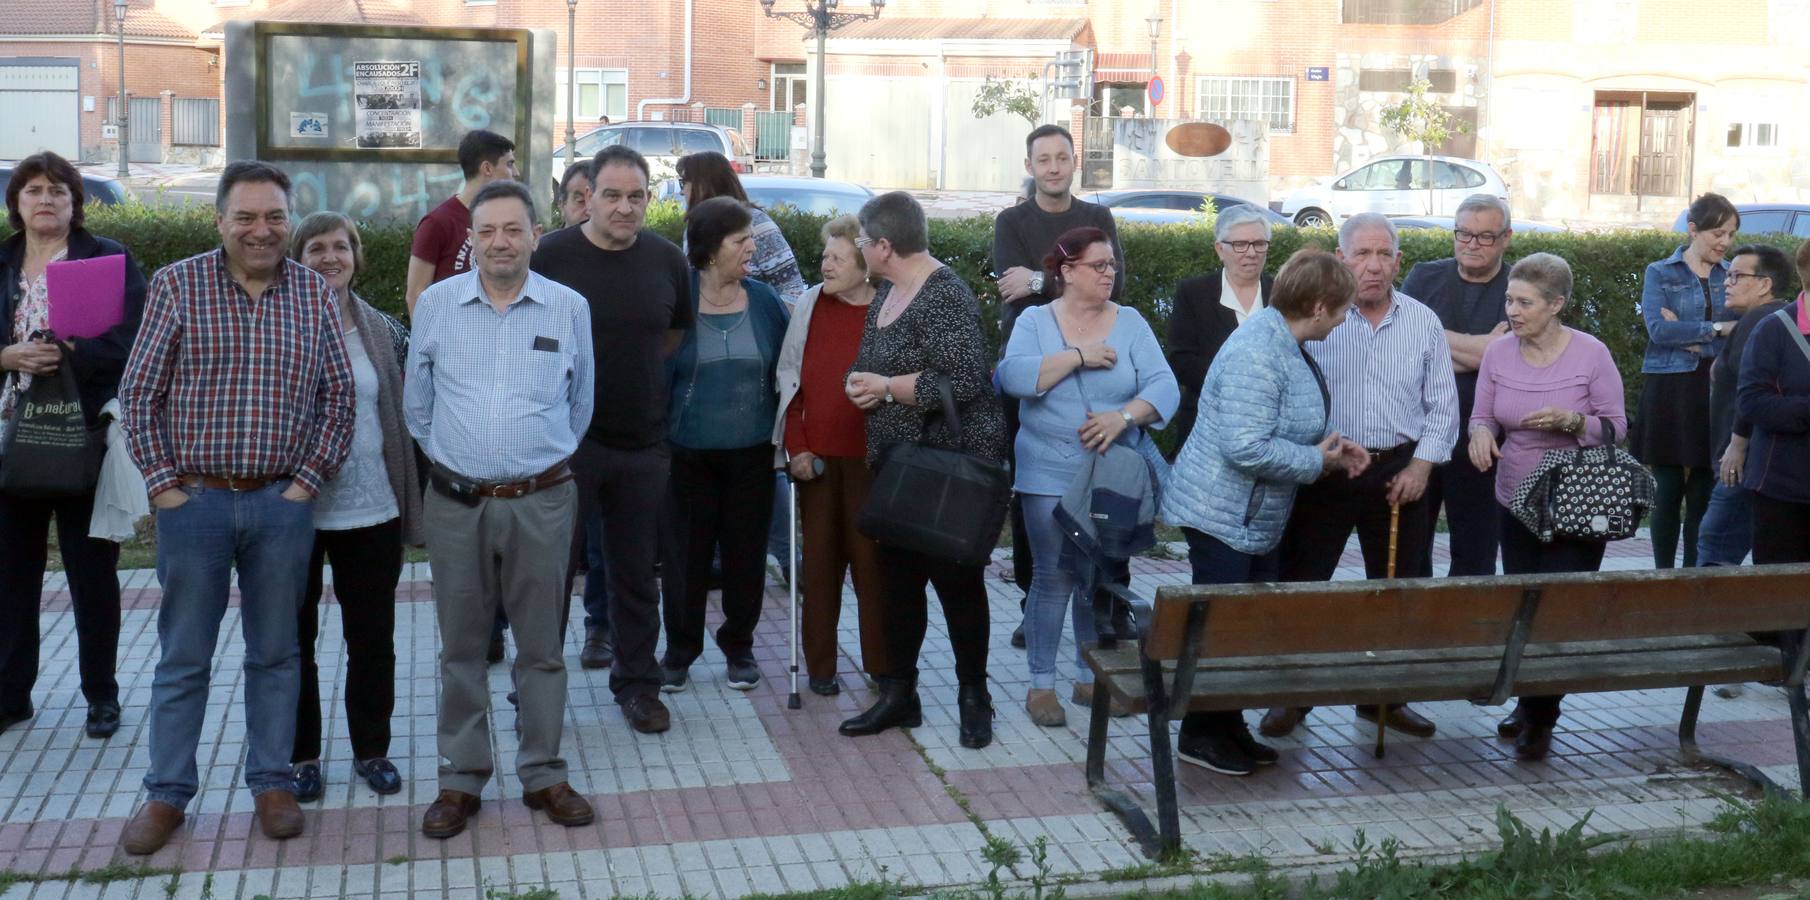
pixel 897 707
pixel 977 716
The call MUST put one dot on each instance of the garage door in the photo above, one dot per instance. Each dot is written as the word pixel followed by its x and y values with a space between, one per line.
pixel 40 104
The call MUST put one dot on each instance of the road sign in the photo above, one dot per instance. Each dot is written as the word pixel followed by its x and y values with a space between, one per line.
pixel 1070 77
pixel 1156 91
pixel 1319 73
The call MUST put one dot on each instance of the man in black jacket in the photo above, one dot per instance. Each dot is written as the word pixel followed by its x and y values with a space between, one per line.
pixel 1208 307
pixel 1469 293
pixel 1022 236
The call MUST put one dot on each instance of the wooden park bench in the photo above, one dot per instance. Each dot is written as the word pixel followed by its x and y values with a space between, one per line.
pixel 1483 639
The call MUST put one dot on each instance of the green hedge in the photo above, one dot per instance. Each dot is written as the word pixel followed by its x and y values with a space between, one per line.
pixel 1608 266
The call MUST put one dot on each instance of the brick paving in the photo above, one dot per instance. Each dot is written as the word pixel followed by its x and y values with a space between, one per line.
pixel 744 795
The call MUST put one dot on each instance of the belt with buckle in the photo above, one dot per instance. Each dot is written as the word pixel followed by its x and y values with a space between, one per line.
pixel 215 482
pixel 1378 457
pixel 558 475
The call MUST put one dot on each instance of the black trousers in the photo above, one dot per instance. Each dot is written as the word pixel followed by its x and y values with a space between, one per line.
pixel 92 567
pixel 1022 562
pixel 905 608
pixel 722 500
pixel 1523 554
pixel 1469 498
pixel 629 487
pixel 1781 530
pixel 367 563
pixel 1215 562
pixel 1327 510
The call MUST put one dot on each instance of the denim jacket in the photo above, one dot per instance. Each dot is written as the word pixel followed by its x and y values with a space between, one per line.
pixel 1679 346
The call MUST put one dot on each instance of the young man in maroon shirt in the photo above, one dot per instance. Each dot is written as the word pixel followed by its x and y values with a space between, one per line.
pixel 442 245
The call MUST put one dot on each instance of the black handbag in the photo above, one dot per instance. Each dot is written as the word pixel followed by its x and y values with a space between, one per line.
pixel 50 451
pixel 1590 494
pixel 942 503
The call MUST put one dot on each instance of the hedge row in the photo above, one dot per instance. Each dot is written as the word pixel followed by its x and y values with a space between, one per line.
pixel 1607 266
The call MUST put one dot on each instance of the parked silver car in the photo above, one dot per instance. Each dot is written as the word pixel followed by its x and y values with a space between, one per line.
pixel 662 143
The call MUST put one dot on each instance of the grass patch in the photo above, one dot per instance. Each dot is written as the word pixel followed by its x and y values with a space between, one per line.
pixel 103 875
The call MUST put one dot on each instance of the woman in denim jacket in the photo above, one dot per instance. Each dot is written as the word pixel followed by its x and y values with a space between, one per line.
pixel 1682 303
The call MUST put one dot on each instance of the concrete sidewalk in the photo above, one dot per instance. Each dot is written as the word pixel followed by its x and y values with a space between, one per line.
pixel 746 796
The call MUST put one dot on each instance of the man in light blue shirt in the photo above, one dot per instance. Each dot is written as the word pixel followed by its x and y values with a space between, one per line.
pixel 498 392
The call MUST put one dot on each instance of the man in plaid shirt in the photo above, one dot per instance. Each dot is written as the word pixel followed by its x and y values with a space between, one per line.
pixel 237 406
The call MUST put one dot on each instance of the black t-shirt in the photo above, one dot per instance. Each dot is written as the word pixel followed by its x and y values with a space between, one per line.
pixel 1024 234
pixel 636 296
pixel 1464 307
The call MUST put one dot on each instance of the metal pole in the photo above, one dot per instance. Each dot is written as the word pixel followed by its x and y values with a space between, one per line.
pixel 125 111
pixel 818 167
pixel 571 79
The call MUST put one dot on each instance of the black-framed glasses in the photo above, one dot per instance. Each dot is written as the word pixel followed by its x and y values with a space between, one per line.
pixel 1100 268
pixel 1735 277
pixel 1482 238
pixel 1247 246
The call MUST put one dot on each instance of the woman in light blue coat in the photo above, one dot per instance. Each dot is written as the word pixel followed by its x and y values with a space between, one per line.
pixel 1260 434
pixel 1087 372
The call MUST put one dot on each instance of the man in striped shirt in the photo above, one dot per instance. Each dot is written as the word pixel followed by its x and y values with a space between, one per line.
pixel 1389 371
pixel 237 405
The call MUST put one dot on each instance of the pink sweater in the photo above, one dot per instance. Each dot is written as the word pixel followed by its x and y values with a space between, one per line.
pixel 1583 379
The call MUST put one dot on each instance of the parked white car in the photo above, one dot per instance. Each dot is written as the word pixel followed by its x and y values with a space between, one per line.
pixel 1393 186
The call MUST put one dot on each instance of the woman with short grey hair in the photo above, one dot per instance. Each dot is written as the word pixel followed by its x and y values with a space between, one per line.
pixel 923 331
pixel 1208 307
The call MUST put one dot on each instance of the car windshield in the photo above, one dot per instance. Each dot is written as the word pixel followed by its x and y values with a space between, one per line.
pixel 815 202
pixel 693 140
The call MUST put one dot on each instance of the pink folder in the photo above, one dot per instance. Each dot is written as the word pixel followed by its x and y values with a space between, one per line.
pixel 87 296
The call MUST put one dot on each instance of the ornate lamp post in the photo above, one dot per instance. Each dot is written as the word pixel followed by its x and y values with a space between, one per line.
pixel 125 112
pixel 571 79
pixel 821 17
pixel 1156 28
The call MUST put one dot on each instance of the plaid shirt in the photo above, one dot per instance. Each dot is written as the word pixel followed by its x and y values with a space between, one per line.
pixel 220 384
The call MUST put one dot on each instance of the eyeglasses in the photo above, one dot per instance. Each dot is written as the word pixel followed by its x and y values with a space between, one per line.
pixel 1246 246
pixel 863 242
pixel 1482 238
pixel 1735 277
pixel 1100 268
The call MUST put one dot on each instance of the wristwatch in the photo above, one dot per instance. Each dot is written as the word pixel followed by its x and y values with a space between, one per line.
pixel 1129 421
pixel 889 390
pixel 1036 284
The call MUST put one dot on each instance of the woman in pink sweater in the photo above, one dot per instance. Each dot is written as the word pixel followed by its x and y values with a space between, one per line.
pixel 1543 387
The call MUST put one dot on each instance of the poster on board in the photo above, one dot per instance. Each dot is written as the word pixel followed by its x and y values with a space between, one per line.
pixel 388 98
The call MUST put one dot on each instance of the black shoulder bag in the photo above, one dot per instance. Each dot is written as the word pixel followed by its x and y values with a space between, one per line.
pixel 939 502
pixel 50 452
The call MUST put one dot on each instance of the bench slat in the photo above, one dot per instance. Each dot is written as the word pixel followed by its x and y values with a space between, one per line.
pixel 1409 614
pixel 1362 679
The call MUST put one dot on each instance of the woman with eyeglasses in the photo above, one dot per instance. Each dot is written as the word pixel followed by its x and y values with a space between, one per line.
pixel 1208 307
pixel 1087 372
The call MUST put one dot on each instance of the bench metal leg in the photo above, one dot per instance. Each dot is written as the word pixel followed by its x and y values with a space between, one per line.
pixel 1122 804
pixel 1687 744
pixel 1800 734
pixel 1162 760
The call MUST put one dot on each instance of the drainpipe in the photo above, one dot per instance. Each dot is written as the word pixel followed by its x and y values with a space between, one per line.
pixel 641 108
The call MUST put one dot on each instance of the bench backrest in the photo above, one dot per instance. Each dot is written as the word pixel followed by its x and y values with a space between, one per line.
pixel 1437 613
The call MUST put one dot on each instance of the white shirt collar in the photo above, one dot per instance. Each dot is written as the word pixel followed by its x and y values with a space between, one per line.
pixel 1229 299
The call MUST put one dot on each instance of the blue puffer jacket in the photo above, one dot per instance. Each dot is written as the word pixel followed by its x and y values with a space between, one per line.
pixel 1679 346
pixel 1261 413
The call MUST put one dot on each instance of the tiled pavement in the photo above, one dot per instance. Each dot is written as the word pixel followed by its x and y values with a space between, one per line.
pixel 746 796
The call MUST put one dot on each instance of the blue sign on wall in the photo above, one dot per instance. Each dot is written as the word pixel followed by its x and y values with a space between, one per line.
pixel 1319 73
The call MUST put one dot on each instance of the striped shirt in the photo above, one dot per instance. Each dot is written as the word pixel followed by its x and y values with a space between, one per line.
pixel 1393 383
pixel 221 384
pixel 499 396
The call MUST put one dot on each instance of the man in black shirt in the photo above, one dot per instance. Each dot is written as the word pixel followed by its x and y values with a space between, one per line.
pixel 639 289
pixel 1469 294
pixel 1759 284
pixel 1022 236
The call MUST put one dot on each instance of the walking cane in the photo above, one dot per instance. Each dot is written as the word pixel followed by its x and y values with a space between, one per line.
pixel 1382 709
pixel 792 701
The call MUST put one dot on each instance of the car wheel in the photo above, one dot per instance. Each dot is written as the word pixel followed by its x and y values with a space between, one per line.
pixel 1313 218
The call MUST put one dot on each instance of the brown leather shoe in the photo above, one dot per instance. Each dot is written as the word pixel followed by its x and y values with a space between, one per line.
pixel 563 805
pixel 1281 721
pixel 1402 719
pixel 150 828
pixel 645 713
pixel 599 651
pixel 279 816
pixel 447 815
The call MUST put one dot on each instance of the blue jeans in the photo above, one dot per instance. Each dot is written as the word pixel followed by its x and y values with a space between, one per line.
pixel 596 576
pixel 268 540
pixel 1726 533
pixel 1053 596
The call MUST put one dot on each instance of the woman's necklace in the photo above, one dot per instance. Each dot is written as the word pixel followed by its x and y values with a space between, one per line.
pixel 705 296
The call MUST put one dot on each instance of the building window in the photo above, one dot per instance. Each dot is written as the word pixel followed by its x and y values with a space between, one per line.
pixel 1224 98
pixel 1403 12
pixel 1753 135
pixel 787 87
pixel 1117 97
pixel 1396 81
pixel 1605 22
pixel 601 92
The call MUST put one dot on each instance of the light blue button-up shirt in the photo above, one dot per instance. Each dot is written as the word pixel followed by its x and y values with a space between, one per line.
pixel 499 396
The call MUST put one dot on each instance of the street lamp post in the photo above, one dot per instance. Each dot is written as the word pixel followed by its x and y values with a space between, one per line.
pixel 1156 28
pixel 571 79
pixel 125 112
pixel 821 17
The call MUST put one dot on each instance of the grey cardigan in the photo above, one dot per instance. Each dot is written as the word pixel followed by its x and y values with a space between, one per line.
pixel 379 335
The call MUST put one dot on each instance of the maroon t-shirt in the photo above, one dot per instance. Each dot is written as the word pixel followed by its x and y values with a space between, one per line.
pixel 443 237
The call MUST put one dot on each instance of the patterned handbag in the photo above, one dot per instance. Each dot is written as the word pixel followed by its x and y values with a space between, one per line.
pixel 1589 494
